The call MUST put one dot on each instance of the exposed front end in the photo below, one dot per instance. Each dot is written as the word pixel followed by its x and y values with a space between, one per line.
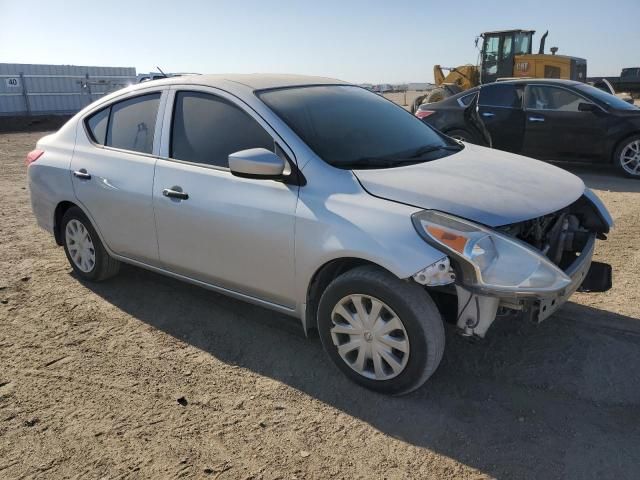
pixel 530 267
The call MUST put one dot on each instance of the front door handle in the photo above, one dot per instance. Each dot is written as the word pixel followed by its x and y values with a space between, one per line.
pixel 168 192
pixel 536 119
pixel 82 174
pixel 488 114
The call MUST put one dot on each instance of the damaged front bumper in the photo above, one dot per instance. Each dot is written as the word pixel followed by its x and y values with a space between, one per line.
pixel 477 309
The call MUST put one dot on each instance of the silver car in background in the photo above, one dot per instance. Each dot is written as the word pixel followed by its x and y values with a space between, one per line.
pixel 323 201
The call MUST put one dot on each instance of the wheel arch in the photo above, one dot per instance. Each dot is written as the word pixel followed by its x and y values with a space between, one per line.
pixel 321 279
pixel 463 128
pixel 58 213
pixel 618 143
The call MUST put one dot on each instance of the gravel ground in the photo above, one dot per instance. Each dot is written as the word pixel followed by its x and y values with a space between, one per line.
pixel 146 377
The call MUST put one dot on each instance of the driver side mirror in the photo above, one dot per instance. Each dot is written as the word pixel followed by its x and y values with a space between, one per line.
pixel 258 163
pixel 587 107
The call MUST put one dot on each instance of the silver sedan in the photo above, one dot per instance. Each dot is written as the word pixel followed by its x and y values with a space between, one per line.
pixel 320 200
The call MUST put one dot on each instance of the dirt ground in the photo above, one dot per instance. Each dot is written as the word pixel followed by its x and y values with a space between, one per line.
pixel 146 377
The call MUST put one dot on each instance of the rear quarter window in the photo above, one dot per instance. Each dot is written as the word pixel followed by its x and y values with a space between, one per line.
pixel 97 125
pixel 466 100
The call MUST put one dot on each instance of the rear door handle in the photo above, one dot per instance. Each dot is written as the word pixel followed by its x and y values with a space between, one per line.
pixel 167 192
pixel 488 114
pixel 82 174
pixel 536 119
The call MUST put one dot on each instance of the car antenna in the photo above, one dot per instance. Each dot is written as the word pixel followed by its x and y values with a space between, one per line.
pixel 163 74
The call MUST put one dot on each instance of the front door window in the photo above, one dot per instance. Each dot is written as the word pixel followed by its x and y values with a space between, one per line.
pixel 552 98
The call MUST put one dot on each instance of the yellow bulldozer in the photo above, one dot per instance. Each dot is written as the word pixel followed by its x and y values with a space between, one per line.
pixel 504 54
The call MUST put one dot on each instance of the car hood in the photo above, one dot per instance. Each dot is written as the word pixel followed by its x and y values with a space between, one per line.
pixel 487 186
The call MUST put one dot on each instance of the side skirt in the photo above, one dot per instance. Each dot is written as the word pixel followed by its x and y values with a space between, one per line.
pixel 209 286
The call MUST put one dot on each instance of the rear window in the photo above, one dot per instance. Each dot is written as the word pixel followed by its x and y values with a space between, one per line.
pixel 500 95
pixel 132 123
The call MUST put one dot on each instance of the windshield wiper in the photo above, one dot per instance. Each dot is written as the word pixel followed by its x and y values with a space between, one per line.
pixel 403 158
pixel 434 148
pixel 377 162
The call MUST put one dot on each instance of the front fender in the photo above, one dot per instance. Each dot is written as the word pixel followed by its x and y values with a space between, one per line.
pixel 602 210
pixel 356 225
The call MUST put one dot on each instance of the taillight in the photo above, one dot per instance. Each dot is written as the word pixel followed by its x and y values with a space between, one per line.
pixel 424 113
pixel 32 156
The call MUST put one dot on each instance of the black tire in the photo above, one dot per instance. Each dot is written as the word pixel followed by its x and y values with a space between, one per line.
pixel 415 309
pixel 618 160
pixel 464 135
pixel 436 95
pixel 416 103
pixel 104 267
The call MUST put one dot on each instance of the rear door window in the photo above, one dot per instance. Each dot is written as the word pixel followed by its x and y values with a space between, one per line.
pixel 206 129
pixel 132 123
pixel 501 95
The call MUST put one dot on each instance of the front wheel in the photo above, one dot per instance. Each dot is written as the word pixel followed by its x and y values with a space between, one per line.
pixel 383 333
pixel 627 157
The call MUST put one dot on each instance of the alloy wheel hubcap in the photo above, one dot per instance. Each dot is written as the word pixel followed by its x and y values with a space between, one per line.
pixel 630 157
pixel 80 246
pixel 370 337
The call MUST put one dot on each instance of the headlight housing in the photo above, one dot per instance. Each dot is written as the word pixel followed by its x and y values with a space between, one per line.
pixel 490 261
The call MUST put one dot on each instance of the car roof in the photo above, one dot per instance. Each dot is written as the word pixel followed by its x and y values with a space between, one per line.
pixel 253 81
pixel 515 81
pixel 550 81
pixel 241 85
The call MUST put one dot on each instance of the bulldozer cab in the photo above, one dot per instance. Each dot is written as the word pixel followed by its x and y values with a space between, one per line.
pixel 499 50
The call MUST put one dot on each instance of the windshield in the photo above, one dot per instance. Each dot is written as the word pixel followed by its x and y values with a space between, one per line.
pixel 350 127
pixel 607 98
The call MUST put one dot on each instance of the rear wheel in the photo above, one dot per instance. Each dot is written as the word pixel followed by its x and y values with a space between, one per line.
pixel 85 252
pixel 463 135
pixel 416 103
pixel 436 95
pixel 627 157
pixel 383 333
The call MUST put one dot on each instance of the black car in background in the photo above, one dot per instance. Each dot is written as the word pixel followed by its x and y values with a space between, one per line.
pixel 546 119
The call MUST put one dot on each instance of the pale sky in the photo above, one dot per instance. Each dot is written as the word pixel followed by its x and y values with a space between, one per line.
pixel 357 41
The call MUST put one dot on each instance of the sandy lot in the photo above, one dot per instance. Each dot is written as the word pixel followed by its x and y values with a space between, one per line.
pixel 146 377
